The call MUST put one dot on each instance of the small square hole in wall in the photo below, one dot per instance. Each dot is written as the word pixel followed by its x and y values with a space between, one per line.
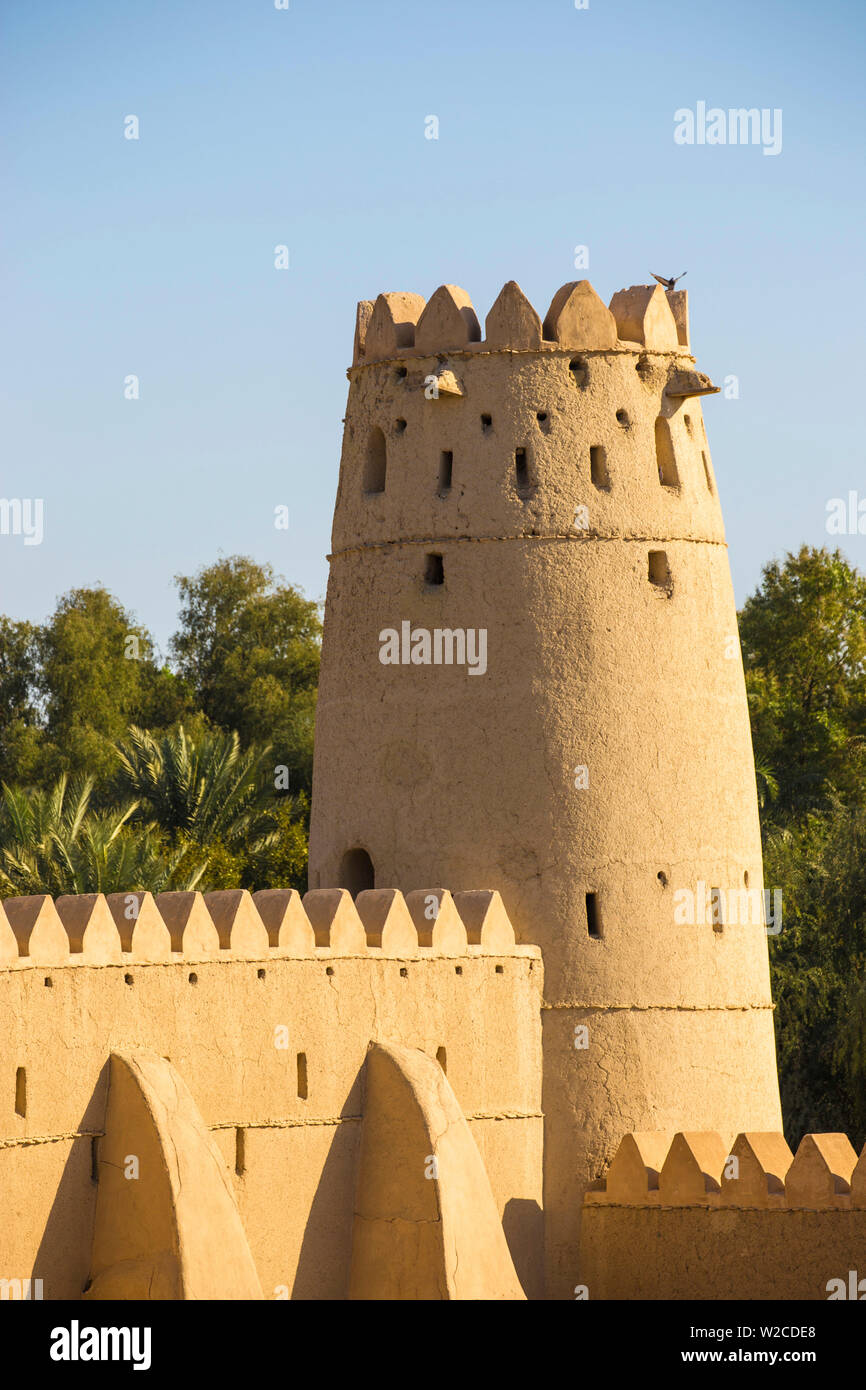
pixel 658 570
pixel 400 426
pixel 434 570
pixel 486 424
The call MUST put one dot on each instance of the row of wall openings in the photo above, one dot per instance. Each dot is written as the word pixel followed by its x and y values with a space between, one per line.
pixel 376 463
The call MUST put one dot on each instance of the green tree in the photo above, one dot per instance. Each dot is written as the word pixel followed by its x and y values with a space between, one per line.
pixel 97 674
pixel 54 842
pixel 818 964
pixel 804 649
pixel 21 733
pixel 249 648
pixel 205 790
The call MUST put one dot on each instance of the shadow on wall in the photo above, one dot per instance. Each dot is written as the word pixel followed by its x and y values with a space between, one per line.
pixel 523 1223
pixel 325 1257
pixel 63 1258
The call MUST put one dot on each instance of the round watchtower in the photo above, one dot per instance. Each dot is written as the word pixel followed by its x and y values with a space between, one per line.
pixel 531 681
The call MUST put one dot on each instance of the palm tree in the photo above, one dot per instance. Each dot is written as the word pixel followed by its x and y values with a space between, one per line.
pixel 52 842
pixel 204 789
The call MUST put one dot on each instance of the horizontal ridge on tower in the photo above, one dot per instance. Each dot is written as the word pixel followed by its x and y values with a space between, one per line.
pixel 92 929
pixel 401 323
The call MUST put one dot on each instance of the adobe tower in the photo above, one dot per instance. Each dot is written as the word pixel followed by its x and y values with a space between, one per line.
pixel 531 679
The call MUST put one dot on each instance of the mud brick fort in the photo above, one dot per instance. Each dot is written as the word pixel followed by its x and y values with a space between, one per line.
pixel 533 1082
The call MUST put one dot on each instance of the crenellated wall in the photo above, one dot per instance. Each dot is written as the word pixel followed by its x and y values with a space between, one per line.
pixel 696 1216
pixel 265 1007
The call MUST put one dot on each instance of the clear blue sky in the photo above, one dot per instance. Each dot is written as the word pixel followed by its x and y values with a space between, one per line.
pixel 306 127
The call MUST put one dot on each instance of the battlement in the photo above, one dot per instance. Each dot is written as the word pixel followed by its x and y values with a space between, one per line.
pixel 92 929
pixel 584 425
pixel 401 324
pixel 660 1169
pixel 681 1216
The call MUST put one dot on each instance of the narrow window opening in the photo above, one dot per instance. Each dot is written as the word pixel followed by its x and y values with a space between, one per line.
pixel 707 470
pixel 579 368
pixel 524 481
pixel 442 1058
pixel 658 569
pixel 356 871
pixel 687 421
pixel 593 916
pixel 260 974
pixel 486 424
pixel 458 970
pixel 717 910
pixel 94 1158
pixel 434 570
pixel 302 1076
pixel 745 878
pixel 376 465
pixel 667 465
pixel 598 467
pixel 21 1091
pixel 446 467
pixel 240 1153
pixel 48 982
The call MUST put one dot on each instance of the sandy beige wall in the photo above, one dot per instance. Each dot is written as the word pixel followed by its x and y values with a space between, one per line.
pixel 295 1193
pixel 718 1253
